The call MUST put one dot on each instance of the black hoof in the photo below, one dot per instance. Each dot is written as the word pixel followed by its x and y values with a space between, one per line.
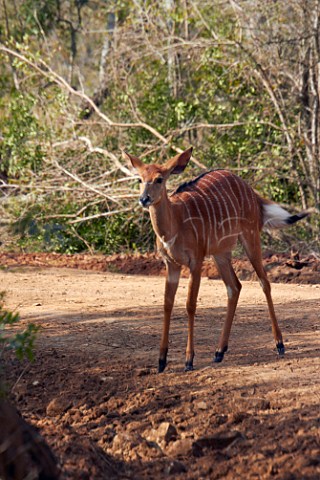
pixel 218 356
pixel 189 362
pixel 188 367
pixel 281 349
pixel 162 365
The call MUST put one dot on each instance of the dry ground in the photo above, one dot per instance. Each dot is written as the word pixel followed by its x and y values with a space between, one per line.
pixel 94 393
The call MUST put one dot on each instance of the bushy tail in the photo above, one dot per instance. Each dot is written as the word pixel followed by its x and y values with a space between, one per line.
pixel 274 216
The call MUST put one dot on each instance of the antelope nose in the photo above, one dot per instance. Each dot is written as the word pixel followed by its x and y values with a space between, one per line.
pixel 144 200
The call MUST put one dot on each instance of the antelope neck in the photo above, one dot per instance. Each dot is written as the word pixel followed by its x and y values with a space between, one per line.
pixel 163 220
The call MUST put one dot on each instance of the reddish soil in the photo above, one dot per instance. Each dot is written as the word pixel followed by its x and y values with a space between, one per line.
pixel 95 396
pixel 281 267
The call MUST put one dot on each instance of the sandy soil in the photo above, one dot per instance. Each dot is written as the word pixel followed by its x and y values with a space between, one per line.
pixel 94 393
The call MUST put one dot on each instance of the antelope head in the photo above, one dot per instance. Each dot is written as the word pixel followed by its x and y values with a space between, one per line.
pixel 153 177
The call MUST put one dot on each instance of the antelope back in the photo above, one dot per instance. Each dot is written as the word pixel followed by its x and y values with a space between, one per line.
pixel 217 206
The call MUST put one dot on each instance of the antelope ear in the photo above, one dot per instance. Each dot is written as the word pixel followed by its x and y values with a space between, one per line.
pixel 135 161
pixel 178 163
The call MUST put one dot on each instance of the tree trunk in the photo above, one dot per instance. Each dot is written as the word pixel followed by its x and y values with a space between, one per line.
pixel 23 452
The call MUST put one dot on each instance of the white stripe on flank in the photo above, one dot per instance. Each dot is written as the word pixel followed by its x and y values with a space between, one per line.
pixel 243 188
pixel 248 207
pixel 199 212
pixel 205 201
pixel 190 218
pixel 252 205
pixel 223 217
pixel 228 216
pixel 255 202
pixel 236 234
pixel 239 183
pixel 212 202
pixel 216 202
pixel 225 177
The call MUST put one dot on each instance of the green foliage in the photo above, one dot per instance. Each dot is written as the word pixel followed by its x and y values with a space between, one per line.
pixel 114 234
pixel 37 15
pixel 20 150
pixel 13 339
pixel 166 69
pixel 21 342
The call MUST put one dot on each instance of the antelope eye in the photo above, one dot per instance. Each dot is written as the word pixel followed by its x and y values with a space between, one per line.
pixel 159 180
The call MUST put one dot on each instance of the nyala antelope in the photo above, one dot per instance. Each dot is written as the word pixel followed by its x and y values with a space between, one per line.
pixel 206 216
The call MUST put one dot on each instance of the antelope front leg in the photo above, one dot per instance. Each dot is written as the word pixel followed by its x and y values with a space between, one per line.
pixel 193 291
pixel 172 281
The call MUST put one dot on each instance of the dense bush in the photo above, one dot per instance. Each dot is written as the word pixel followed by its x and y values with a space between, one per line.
pixel 84 80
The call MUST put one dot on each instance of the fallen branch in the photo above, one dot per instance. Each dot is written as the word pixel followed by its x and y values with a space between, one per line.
pixel 86 185
pixel 99 215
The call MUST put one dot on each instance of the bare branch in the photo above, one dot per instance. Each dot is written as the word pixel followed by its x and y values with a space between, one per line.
pixel 86 185
pixel 47 72
pixel 101 215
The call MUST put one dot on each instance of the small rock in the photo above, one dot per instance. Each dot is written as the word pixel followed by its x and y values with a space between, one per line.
pixel 58 406
pixel 131 446
pixel 38 304
pixel 254 403
pixel 165 433
pixel 137 426
pixel 220 419
pixel 122 441
pixel 175 467
pixel 215 442
pixel 111 415
pixel 307 461
pixel 148 450
pixel 273 470
pixel 141 372
pixel 256 457
pixel 124 445
pixel 180 447
pixel 156 419
pixel 201 405
pixel 238 417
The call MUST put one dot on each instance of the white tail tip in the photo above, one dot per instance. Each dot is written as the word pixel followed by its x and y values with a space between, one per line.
pixel 275 216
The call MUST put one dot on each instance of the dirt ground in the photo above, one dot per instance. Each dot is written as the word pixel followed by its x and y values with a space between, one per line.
pixel 94 393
